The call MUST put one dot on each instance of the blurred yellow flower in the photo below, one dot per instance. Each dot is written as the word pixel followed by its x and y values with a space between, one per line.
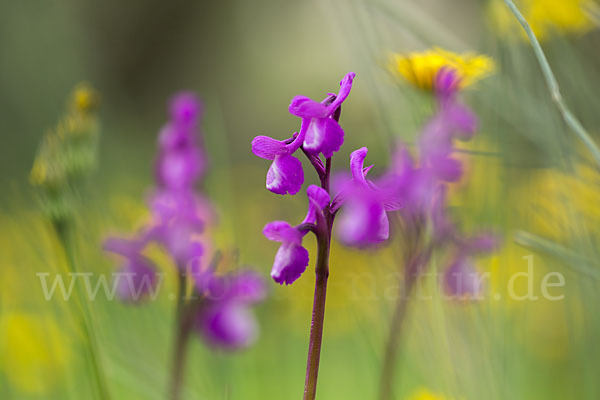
pixel 34 352
pixel 424 394
pixel 560 205
pixel 545 16
pixel 84 98
pixel 421 68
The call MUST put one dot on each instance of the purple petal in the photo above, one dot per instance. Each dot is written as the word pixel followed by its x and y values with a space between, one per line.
pixel 323 135
pixel 446 168
pixel 318 200
pixel 318 195
pixel 461 120
pixel 173 136
pixel 447 81
pixel 304 107
pixel 122 246
pixel 357 161
pixel 334 137
pixel 285 175
pixel 392 198
pixel 247 287
pixel 363 221
pixel 136 280
pixel 185 107
pixel 290 262
pixel 483 243
pixel 345 87
pixel 178 169
pixel 281 231
pixel 229 325
pixel 462 281
pixel 268 148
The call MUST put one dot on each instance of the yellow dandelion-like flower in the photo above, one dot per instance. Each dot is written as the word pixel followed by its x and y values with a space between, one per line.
pixel 545 17
pixel 421 68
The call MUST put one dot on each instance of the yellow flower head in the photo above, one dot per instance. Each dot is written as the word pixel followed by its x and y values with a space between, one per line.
pixel 545 17
pixel 421 68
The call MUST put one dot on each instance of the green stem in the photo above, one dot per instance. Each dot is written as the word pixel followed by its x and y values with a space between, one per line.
pixel 388 370
pixel 552 84
pixel 415 261
pixel 323 233
pixel 183 329
pixel 85 315
pixel 318 317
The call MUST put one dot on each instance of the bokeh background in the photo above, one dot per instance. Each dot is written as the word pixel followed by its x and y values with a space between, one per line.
pixel 247 59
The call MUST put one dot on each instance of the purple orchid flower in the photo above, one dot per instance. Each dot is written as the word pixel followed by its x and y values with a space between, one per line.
pixel 137 277
pixel 179 221
pixel 364 219
pixel 285 176
pixel 453 121
pixel 319 133
pixel 291 259
pixel 180 161
pixel 226 320
pixel 461 279
pixel 324 134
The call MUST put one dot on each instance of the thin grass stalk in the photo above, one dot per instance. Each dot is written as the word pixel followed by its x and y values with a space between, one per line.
pixel 566 114
pixel 84 314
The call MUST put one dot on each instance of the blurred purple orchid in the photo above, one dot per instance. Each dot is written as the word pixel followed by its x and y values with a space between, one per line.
pixel 461 278
pixel 226 319
pixel 364 219
pixel 220 307
pixel 137 277
pixel 423 187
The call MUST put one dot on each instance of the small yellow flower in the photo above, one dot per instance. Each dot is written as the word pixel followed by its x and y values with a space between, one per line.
pixel 424 394
pixel 421 68
pixel 545 17
pixel 84 98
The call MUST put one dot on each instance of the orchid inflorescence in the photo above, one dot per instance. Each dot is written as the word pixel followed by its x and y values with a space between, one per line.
pixel 407 190
pixel 321 135
pixel 179 220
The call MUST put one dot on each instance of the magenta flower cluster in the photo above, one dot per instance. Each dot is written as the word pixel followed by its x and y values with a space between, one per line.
pixel 424 189
pixel 179 218
pixel 366 204
pixel 414 192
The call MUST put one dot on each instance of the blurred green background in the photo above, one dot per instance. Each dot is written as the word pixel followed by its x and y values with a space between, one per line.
pixel 247 59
